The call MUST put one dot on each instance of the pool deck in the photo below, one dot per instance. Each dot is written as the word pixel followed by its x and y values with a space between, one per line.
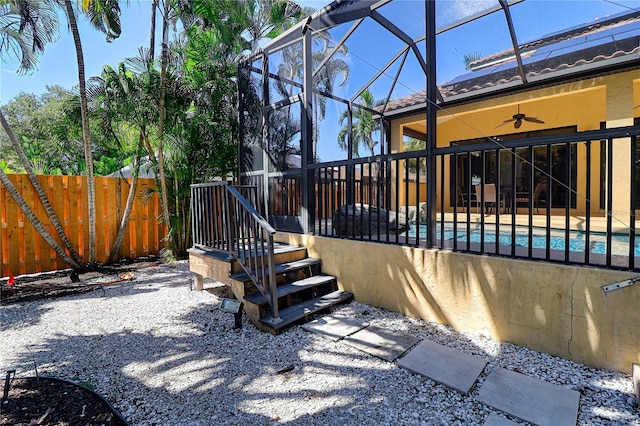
pixel 596 225
pixel 576 223
pixel 557 222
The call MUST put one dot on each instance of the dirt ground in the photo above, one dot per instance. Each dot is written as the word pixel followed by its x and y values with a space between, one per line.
pixel 45 401
pixel 61 283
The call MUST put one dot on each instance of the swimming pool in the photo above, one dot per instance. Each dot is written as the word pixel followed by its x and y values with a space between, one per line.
pixel 577 239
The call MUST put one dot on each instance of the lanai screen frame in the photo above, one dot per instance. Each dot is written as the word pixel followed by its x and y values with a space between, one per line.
pixel 354 11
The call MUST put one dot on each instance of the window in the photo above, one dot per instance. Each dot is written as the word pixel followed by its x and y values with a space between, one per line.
pixel 518 169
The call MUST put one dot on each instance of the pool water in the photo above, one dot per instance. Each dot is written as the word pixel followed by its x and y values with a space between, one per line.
pixel 577 240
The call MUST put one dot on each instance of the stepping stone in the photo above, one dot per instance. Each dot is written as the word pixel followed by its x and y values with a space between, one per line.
pixel 445 365
pixel 380 342
pixel 530 399
pixel 335 327
pixel 497 420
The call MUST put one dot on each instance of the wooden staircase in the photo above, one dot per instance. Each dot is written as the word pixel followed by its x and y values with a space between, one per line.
pixel 233 244
pixel 302 288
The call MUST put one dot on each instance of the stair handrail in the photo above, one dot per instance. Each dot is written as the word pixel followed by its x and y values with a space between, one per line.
pixel 246 227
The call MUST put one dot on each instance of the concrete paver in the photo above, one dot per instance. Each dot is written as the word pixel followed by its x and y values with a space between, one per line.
pixel 381 343
pixel 530 399
pixel 335 327
pixel 445 365
pixel 526 398
pixel 494 419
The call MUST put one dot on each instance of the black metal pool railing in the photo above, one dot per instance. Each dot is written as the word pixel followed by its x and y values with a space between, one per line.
pixel 568 213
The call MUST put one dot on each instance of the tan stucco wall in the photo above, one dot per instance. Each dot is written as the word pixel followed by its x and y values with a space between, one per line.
pixel 557 309
pixel 619 105
pixel 585 104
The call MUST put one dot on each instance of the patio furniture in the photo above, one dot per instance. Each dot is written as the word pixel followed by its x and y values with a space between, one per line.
pixel 536 196
pixel 490 197
pixel 466 199
pixel 521 200
pixel 362 219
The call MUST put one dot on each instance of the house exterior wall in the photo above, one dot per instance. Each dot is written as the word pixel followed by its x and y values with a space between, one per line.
pixel 619 114
pixel 585 104
pixel 557 309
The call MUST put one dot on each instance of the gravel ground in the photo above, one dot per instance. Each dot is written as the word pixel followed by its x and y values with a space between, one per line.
pixel 165 355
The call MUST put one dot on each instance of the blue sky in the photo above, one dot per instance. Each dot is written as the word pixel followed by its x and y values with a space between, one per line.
pixel 58 64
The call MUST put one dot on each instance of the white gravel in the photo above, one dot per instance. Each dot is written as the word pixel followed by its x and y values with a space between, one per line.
pixel 165 355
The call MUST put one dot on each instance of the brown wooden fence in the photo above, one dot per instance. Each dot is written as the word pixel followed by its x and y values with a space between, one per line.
pixel 286 195
pixel 23 251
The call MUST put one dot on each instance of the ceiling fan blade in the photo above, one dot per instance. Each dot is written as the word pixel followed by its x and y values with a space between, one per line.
pixel 503 123
pixel 518 118
pixel 534 120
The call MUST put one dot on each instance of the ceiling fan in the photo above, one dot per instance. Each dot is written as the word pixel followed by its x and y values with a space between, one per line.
pixel 518 118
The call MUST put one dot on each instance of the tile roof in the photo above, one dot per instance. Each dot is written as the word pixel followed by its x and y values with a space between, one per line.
pixel 408 101
pixel 584 47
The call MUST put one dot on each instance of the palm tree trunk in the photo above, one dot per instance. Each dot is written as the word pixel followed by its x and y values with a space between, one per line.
pixel 126 216
pixel 53 218
pixel 37 224
pixel 86 134
pixel 161 112
pixel 152 38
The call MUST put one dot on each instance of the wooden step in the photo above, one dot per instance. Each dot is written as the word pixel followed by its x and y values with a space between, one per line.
pixel 281 268
pixel 281 253
pixel 301 310
pixel 210 251
pixel 290 288
pixel 278 248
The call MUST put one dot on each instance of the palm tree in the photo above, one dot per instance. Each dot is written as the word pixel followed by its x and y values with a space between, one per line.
pixel 239 25
pixel 32 175
pixel 86 133
pixel 270 18
pixel 26 29
pixel 168 15
pixel 105 16
pixel 244 24
pixel 37 224
pixel 363 125
pixel 292 68
pixel 326 78
pixel 413 144
pixel 469 58
pixel 125 96
pixel 152 37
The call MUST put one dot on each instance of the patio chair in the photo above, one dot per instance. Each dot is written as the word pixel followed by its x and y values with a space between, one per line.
pixel 536 196
pixel 490 197
pixel 466 200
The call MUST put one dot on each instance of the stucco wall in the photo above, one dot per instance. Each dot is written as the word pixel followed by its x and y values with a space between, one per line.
pixel 557 309
pixel 585 104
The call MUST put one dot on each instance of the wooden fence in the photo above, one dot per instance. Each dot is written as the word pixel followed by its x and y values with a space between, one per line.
pixel 285 195
pixel 23 251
